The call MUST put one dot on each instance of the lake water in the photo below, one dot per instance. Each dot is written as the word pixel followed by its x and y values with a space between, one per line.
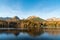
pixel 26 36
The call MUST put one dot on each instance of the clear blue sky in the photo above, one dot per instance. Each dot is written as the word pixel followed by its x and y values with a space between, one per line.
pixel 24 8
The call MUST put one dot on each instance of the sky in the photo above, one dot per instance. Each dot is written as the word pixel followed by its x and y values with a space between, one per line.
pixel 24 8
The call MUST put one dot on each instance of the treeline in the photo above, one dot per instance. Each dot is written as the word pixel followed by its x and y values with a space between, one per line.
pixel 21 24
pixel 28 24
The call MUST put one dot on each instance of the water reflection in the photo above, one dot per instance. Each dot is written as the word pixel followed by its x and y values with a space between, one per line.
pixel 26 36
pixel 44 36
pixel 30 34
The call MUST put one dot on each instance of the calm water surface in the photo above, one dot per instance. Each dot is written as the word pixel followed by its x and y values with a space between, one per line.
pixel 26 36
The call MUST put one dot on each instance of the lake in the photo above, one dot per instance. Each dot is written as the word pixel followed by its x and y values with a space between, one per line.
pixel 26 36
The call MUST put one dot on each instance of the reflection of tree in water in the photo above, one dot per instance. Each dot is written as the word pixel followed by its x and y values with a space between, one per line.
pixel 35 31
pixel 31 32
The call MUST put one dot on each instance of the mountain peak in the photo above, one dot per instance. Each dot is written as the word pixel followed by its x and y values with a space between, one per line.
pixel 15 17
pixel 35 18
pixel 53 19
pixel 31 17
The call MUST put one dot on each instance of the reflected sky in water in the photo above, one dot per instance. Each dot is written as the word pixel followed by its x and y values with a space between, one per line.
pixel 26 36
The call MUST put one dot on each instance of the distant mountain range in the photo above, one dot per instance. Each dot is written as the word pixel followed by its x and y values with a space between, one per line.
pixel 53 19
pixel 4 18
pixel 34 18
pixel 8 18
